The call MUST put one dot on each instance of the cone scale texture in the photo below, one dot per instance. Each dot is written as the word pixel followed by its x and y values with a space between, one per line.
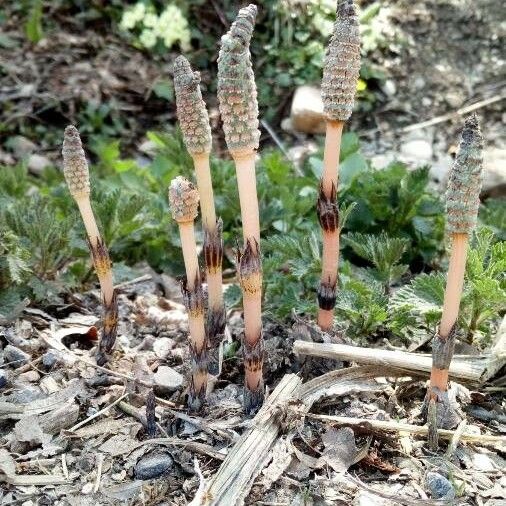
pixel 237 93
pixel 342 64
pixel 464 183
pixel 191 109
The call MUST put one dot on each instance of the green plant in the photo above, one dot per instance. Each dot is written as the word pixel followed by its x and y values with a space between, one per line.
pixel 418 304
pixel 383 252
pixel 152 29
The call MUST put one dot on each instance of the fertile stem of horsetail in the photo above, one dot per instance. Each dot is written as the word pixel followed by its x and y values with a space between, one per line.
pixel 340 75
pixel 75 169
pixel 237 96
pixel 462 202
pixel 184 202
pixel 194 121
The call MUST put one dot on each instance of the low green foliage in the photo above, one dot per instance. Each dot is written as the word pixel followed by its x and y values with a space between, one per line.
pixel 420 303
pixel 392 227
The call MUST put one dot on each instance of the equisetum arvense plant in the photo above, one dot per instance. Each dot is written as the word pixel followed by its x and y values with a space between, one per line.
pixel 339 83
pixel 237 96
pixel 75 169
pixel 462 203
pixel 194 121
pixel 184 202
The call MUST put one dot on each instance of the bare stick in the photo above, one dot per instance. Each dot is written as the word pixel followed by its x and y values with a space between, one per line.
pixel 233 481
pixel 184 199
pixel 75 168
pixel 391 426
pixel 237 97
pixel 340 74
pixel 194 120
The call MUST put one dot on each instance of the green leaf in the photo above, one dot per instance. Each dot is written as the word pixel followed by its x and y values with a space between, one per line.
pixel 352 165
pixel 33 26
pixel 164 89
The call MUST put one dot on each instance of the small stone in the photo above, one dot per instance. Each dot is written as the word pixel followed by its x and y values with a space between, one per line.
pixel 87 489
pixel 37 163
pixel 389 88
pixel 162 346
pixel 29 377
pixel 454 100
pixel 22 147
pixel 3 378
pixel 15 357
pixel 153 465
pixel 439 487
pixel 426 101
pixel 418 149
pixel 494 172
pixel 307 110
pixel 50 358
pixel 25 393
pixel 167 380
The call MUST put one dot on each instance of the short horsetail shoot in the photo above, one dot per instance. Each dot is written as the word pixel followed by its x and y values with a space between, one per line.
pixel 462 203
pixel 75 169
pixel 339 83
pixel 194 121
pixel 184 202
pixel 237 96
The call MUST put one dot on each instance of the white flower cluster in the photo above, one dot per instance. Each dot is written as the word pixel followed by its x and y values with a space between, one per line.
pixel 170 26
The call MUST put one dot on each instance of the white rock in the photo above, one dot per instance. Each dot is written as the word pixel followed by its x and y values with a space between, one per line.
pixel 494 172
pixel 307 110
pixel 22 147
pixel 389 88
pixel 37 163
pixel 167 379
pixel 417 150
pixel 162 346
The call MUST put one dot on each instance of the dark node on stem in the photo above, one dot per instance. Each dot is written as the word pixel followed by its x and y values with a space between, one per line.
pixel 213 248
pixel 253 399
pixel 253 355
pixel 150 414
pixel 442 349
pixel 327 295
pixel 216 320
pixel 433 435
pixel 109 330
pixel 447 415
pixel 100 256
pixel 197 395
pixel 250 267
pixel 193 299
pixel 327 210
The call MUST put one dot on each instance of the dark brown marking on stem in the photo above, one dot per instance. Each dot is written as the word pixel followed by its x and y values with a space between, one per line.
pixel 442 349
pixel 250 267
pixel 327 293
pixel 150 414
pixel 194 303
pixel 327 210
pixel 253 355
pixel 109 329
pixel 193 299
pixel 213 248
pixel 216 320
pixel 447 414
pixel 100 256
